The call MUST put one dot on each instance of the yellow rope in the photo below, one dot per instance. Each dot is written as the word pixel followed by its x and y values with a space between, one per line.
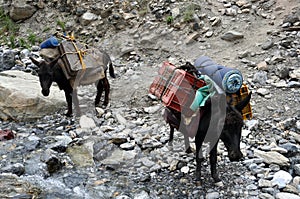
pixel 80 53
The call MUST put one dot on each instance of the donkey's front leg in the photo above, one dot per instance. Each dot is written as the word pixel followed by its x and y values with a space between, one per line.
pixel 99 92
pixel 199 160
pixel 213 163
pixel 188 148
pixel 171 136
pixel 68 96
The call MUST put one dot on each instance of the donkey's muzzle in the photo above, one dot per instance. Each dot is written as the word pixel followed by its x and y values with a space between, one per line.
pixel 45 92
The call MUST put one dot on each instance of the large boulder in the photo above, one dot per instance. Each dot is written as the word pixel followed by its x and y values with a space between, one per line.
pixel 20 10
pixel 21 97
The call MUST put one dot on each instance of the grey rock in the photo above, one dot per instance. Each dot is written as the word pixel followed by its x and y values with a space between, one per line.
pixel 16 168
pixel 8 60
pixel 212 195
pixel 281 179
pixel 232 36
pixel 260 77
pixel 283 195
pixel 267 45
pixel 272 157
pixel 21 99
pixel 21 11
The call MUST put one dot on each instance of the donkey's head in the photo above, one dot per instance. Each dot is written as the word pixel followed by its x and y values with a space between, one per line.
pixel 45 74
pixel 232 130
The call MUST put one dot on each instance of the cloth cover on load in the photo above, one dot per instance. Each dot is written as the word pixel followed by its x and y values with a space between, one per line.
pixel 49 53
pixel 91 66
pixel 81 64
pixel 203 93
pixel 229 79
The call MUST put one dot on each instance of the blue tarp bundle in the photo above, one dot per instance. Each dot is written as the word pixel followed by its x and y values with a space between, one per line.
pixel 229 79
pixel 51 42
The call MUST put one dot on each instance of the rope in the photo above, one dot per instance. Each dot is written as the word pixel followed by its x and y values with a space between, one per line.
pixel 80 52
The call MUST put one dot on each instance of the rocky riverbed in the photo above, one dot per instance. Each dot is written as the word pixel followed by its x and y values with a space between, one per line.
pixel 121 151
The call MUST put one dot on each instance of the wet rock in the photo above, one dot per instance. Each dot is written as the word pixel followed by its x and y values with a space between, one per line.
pixel 60 143
pixel 18 188
pixel 16 168
pixel 21 99
pixel 117 157
pixel 81 155
pixel 52 161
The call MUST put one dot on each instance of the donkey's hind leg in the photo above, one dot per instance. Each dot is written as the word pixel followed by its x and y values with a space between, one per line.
pixel 99 92
pixel 107 90
pixel 76 102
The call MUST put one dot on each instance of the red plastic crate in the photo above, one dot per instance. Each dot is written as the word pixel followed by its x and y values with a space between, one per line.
pixel 160 81
pixel 175 88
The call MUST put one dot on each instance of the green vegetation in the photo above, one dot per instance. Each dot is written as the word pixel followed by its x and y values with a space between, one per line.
pixel 23 43
pixel 9 33
pixel 8 30
pixel 189 13
pixel 47 29
pixel 61 24
pixel 7 26
pixel 169 19
pixel 12 41
pixel 32 38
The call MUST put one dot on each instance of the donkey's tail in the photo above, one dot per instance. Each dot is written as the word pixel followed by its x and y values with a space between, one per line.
pixel 111 70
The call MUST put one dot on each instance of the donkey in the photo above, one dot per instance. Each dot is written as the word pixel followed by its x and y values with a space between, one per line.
pixel 230 132
pixel 50 71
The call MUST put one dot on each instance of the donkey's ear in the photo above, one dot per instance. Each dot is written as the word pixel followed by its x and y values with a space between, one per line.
pixel 36 62
pixel 243 103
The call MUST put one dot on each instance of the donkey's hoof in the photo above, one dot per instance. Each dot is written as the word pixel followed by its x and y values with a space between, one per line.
pixel 198 183
pixel 189 150
pixel 68 114
pixel 105 105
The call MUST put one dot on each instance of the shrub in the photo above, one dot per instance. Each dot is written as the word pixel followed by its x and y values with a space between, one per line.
pixel 169 19
pixel 189 13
